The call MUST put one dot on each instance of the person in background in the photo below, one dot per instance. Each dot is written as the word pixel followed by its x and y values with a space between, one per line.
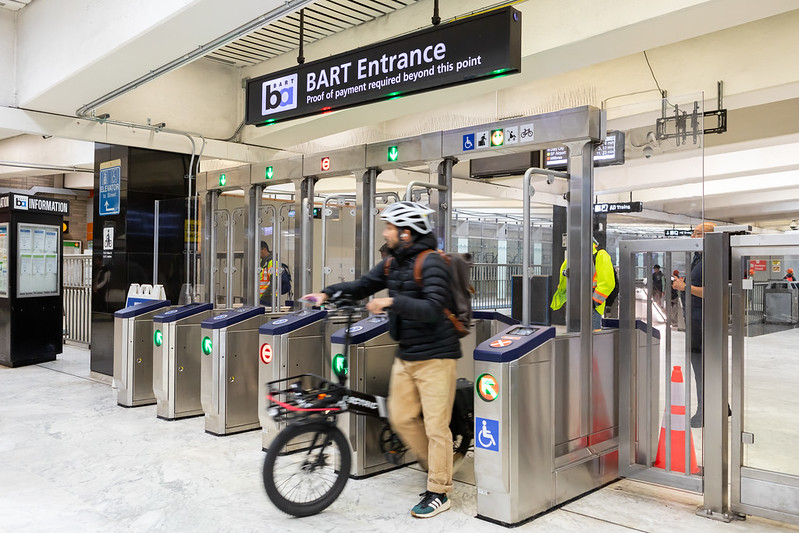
pixel 693 312
pixel 789 275
pixel 674 310
pixel 264 276
pixel 657 285
pixel 604 283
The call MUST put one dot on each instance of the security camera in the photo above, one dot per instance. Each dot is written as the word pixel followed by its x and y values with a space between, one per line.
pixel 648 151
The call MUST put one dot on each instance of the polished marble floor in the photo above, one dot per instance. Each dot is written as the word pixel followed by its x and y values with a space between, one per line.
pixel 72 460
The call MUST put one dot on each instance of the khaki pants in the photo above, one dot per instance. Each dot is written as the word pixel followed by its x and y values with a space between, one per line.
pixel 425 388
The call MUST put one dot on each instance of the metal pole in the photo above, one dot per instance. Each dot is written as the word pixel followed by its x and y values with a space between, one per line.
pixel 716 265
pixel 155 240
pixel 210 236
pixel 365 211
pixel 444 207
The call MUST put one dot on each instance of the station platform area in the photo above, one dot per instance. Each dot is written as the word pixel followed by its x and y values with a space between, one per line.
pixel 79 462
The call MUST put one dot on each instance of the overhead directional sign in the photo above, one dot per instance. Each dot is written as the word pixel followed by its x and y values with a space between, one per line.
pixel 393 153
pixel 619 207
pixel 110 180
pixel 679 232
pixel 470 49
pixel 487 387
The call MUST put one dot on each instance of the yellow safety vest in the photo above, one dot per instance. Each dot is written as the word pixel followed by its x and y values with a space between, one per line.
pixel 604 282
pixel 264 278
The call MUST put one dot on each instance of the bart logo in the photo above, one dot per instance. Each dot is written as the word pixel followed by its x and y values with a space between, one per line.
pixel 279 95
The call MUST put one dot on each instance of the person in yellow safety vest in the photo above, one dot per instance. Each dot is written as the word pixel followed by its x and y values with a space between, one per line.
pixel 604 283
pixel 264 277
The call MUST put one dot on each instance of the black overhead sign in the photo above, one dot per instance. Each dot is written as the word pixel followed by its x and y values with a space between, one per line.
pixel 619 207
pixel 476 48
pixel 679 232
pixel 36 204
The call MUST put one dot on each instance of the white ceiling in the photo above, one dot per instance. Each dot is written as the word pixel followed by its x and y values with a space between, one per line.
pixel 14 5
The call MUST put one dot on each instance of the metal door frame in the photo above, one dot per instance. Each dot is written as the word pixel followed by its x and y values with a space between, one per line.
pixel 776 483
pixel 638 405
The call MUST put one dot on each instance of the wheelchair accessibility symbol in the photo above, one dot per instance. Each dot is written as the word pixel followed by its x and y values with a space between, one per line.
pixel 487 434
pixel 468 142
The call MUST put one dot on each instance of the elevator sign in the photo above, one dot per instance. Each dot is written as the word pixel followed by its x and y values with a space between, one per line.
pixel 109 187
pixel 479 47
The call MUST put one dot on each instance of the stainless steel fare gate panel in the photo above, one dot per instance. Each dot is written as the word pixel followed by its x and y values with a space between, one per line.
pixel 177 359
pixel 370 357
pixel 133 353
pixel 229 370
pixel 288 346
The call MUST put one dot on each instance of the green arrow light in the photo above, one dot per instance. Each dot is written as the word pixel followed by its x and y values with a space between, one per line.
pixel 270 172
pixel 339 365
pixel 222 180
pixel 158 337
pixel 393 153
pixel 208 347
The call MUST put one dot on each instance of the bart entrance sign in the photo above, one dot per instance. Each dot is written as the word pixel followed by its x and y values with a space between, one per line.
pixel 479 47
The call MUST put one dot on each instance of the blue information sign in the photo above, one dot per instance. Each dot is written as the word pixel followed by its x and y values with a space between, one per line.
pixel 109 191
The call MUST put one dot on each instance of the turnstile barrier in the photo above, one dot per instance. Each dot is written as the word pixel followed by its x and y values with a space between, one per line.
pixel 177 360
pixel 133 352
pixel 229 370
pixel 289 346
pixel 371 354
pixel 554 436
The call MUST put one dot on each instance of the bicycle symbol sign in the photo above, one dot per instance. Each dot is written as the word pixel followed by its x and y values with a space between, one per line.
pixel 487 387
pixel 487 436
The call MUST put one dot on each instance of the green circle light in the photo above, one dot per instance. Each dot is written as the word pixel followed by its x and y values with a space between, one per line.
pixel 158 337
pixel 208 347
pixel 340 365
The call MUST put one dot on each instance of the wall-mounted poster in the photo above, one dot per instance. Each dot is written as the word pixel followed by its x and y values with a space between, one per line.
pixel 4 260
pixel 37 256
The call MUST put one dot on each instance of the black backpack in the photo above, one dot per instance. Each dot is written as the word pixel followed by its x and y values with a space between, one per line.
pixel 285 279
pixel 611 299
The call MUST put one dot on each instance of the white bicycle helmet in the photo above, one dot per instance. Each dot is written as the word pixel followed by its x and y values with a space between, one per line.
pixel 408 215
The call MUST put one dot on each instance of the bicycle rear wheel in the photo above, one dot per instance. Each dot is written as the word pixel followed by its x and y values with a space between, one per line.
pixel 306 468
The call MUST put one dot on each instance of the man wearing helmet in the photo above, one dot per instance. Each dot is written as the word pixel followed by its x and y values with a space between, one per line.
pixel 789 275
pixel 422 385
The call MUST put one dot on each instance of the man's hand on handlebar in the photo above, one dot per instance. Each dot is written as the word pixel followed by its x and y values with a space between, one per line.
pixel 379 305
pixel 315 298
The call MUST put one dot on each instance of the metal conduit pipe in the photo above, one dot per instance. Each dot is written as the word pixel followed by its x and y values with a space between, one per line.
pixel 44 166
pixel 422 185
pixel 287 8
pixel 527 194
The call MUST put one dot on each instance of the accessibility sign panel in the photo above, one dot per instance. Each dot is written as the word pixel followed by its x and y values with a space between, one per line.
pixel 487 434
pixel 468 142
pixel 110 179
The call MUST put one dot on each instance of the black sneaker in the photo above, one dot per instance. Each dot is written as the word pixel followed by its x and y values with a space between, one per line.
pixel 432 503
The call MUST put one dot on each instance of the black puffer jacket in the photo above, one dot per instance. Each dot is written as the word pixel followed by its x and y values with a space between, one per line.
pixel 416 318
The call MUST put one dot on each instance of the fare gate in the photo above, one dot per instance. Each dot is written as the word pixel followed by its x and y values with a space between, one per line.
pixel 177 361
pixel 133 352
pixel 370 357
pixel 291 345
pixel 229 379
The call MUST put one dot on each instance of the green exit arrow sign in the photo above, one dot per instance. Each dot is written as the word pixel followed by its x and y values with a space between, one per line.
pixel 208 347
pixel 222 180
pixel 393 153
pixel 339 365
pixel 158 337
pixel 269 173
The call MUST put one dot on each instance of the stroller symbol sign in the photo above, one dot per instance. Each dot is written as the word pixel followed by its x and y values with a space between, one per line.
pixel 487 434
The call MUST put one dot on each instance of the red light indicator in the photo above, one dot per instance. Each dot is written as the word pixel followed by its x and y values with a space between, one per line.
pixel 325 163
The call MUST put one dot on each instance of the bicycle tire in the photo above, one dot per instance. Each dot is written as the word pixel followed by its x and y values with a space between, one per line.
pixel 305 461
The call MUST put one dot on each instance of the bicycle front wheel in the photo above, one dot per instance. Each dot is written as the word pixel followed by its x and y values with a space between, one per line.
pixel 306 468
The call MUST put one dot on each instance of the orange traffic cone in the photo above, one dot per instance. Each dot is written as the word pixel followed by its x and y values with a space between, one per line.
pixel 677 429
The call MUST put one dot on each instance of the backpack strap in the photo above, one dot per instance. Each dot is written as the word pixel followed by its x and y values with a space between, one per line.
pixel 387 264
pixel 418 264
